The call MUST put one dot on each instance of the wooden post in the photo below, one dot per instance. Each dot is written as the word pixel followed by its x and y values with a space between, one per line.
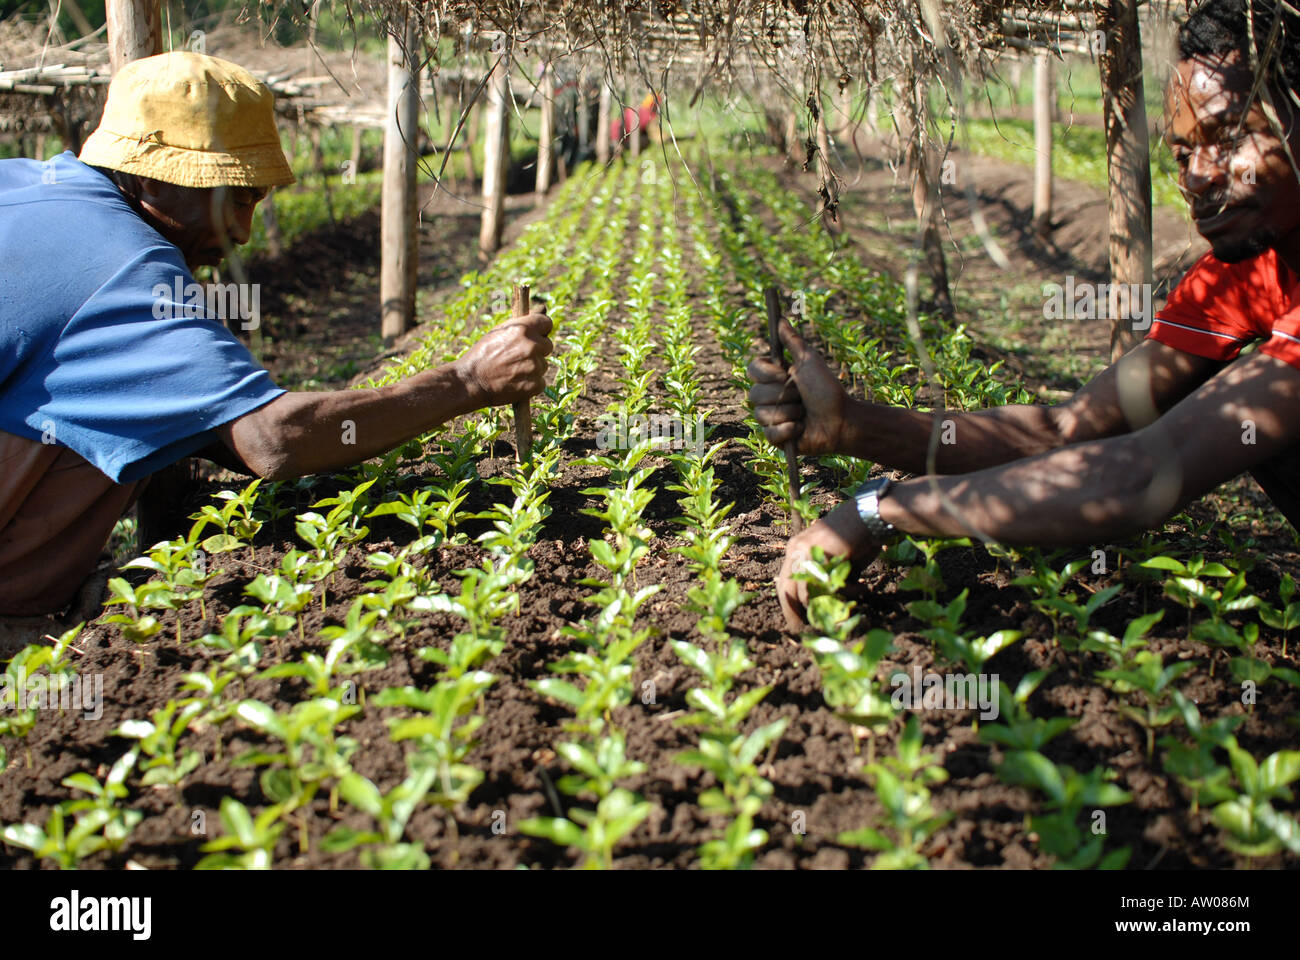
pixel 134 30
pixel 793 145
pixel 496 145
pixel 603 121
pixel 472 126
pixel 584 116
pixel 1128 159
pixel 1043 143
pixel 398 225
pixel 632 132
pixel 546 135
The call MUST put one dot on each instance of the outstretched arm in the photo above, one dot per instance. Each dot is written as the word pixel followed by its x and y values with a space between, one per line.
pixel 808 404
pixel 303 433
pixel 1088 492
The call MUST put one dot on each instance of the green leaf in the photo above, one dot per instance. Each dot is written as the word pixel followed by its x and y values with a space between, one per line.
pixel 557 830
pixel 342 839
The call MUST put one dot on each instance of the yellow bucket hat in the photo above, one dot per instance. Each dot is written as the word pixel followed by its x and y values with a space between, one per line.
pixel 192 120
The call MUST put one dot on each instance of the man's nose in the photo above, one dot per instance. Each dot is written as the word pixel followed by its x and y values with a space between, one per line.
pixel 1204 173
pixel 241 224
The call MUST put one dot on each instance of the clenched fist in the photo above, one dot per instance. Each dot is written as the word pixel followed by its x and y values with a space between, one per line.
pixel 509 363
pixel 805 403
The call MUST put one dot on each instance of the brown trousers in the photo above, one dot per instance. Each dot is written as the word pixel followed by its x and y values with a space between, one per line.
pixel 57 512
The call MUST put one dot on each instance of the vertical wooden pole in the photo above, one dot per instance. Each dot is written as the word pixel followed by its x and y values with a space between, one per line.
pixel 793 145
pixel 134 30
pixel 398 223
pixel 773 299
pixel 496 140
pixel 584 115
pixel 1042 143
pixel 546 135
pixel 632 130
pixel 603 121
pixel 1128 158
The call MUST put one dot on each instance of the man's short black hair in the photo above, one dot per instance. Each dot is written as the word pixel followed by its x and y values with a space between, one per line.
pixel 1217 28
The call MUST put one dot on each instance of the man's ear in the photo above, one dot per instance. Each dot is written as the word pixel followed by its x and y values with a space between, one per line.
pixel 148 188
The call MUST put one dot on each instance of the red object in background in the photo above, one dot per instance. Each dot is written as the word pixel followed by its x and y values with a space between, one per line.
pixel 635 120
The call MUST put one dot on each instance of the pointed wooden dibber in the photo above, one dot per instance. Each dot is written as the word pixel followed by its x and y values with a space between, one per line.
pixel 523 409
pixel 791 446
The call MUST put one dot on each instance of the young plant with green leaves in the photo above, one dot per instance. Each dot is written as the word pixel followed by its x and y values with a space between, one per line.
pixel 902 785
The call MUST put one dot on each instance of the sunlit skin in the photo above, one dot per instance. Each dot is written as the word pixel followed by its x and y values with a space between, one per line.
pixel 202 222
pixel 1151 432
pixel 1233 168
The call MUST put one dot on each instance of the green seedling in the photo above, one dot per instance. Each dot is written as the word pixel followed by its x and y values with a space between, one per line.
pixel 18 721
pixel 1194 764
pixel 1251 826
pixel 211 687
pixel 1286 616
pixel 159 738
pixel 1049 585
pixel 67 848
pixel 255 837
pixel 139 626
pixel 902 787
pixel 1122 650
pixel 616 815
pixel 444 736
pixel 1019 729
pixel 241 629
pixel 312 753
pixel 925 577
pixel 392 811
pixel 281 595
pixel 1068 792
pixel 1152 681
pixel 183 567
pixel 848 668
pixel 102 799
pixel 236 521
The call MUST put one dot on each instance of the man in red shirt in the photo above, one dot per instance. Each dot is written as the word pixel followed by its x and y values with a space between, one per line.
pixel 1172 419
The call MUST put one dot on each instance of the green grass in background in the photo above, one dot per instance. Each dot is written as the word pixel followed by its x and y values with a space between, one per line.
pixel 1078 153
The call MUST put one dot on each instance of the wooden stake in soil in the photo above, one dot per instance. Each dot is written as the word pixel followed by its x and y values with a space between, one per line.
pixel 523 409
pixel 791 446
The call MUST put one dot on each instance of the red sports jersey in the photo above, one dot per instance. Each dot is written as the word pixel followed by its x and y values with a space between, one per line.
pixel 1219 307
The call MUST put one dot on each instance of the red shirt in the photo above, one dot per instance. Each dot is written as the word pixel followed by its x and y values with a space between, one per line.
pixel 1219 307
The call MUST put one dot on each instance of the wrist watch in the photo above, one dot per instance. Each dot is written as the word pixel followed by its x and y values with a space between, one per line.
pixel 868 501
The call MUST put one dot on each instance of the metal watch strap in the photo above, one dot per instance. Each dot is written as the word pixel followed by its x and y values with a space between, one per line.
pixel 868 498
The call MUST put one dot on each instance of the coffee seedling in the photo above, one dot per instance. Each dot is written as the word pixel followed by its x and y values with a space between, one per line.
pixel 256 837
pixel 902 786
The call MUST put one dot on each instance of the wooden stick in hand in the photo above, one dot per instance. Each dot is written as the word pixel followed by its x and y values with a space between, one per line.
pixel 791 446
pixel 523 409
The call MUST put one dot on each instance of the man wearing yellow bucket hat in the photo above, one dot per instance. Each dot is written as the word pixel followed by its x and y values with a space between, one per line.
pixel 109 372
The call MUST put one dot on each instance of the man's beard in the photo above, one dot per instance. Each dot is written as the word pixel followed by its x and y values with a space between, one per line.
pixel 1229 249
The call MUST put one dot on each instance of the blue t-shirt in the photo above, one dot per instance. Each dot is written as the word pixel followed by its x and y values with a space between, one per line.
pixel 103 347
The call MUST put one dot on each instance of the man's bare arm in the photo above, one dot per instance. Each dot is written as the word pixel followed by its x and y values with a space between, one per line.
pixel 811 405
pixel 1107 489
pixel 1086 493
pixel 303 433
